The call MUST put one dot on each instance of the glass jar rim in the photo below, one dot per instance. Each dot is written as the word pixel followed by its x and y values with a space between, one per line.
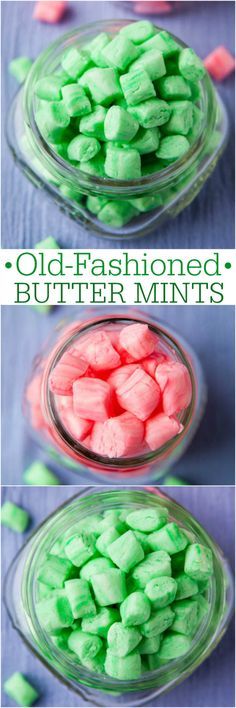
pixel 206 637
pixel 47 399
pixel 85 181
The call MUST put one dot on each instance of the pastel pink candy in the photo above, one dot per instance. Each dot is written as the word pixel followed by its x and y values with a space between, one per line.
pixel 175 384
pixel 139 395
pixel 220 63
pixel 121 375
pixel 153 8
pixel 100 353
pixel 151 362
pixel 50 12
pixel 92 399
pixel 77 427
pixel 159 429
pixel 138 340
pixel 33 391
pixel 68 370
pixel 117 437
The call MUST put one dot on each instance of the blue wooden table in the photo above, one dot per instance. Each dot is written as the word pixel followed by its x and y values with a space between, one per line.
pixel 213 682
pixel 210 331
pixel 28 215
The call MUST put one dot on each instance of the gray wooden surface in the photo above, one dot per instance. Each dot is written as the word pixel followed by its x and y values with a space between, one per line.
pixel 210 332
pixel 211 685
pixel 28 216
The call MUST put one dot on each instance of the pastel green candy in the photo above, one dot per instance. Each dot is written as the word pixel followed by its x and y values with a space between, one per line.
pixel 159 622
pixel 75 100
pixel 89 524
pixel 146 140
pixel 147 520
pixel 203 585
pixel 105 540
pixel 20 690
pixel 49 88
pixel 95 166
pixel 198 562
pixel 80 548
pixel 20 68
pixel 154 565
pixel 109 587
pixel 138 32
pixel 142 537
pixel 123 164
pixel 163 42
pixel 95 204
pixel 54 613
pixel 186 586
pixel 71 193
pixel 154 661
pixel 103 85
pixel 61 640
pixel 152 201
pixel 181 119
pixel 51 120
pixel 95 49
pixel 43 591
pixel 101 623
pixel 150 645
pixel 14 517
pixel 137 87
pixel 126 551
pixel 122 640
pixel 120 52
pixel 120 125
pixel 93 124
pixel 85 645
pixel 190 66
pixel 151 113
pixel 171 481
pixel 82 148
pixel 185 616
pixel 135 609
pixel 171 88
pixel 196 124
pixel 75 62
pixel 55 571
pixel 48 242
pixel 38 474
pixel 203 607
pixel 125 668
pixel 80 598
pixel 174 645
pixel 172 148
pixel 152 62
pixel 170 539
pixel 95 663
pixel 161 591
pixel 95 566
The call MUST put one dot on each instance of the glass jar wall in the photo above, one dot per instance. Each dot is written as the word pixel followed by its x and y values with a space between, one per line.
pixel 43 411
pixel 163 194
pixel 21 597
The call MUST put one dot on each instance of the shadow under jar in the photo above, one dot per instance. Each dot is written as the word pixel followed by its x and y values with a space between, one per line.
pixel 42 410
pixel 21 596
pixel 168 191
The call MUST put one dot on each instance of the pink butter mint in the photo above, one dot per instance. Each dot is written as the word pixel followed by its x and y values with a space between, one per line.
pixel 116 390
pixel 175 384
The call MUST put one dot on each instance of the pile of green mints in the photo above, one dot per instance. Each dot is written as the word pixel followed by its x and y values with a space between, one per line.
pixel 121 107
pixel 123 592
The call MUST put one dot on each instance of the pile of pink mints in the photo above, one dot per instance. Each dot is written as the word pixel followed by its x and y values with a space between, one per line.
pixel 118 394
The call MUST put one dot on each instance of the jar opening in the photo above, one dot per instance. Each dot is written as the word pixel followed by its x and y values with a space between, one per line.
pixel 168 344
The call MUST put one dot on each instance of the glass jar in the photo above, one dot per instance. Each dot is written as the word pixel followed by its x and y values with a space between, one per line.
pixel 42 415
pixel 168 191
pixel 20 595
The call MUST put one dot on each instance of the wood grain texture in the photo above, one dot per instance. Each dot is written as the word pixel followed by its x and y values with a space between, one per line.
pixel 28 216
pixel 213 682
pixel 210 332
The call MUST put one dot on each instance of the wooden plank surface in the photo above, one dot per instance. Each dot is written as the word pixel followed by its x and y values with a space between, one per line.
pixel 28 216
